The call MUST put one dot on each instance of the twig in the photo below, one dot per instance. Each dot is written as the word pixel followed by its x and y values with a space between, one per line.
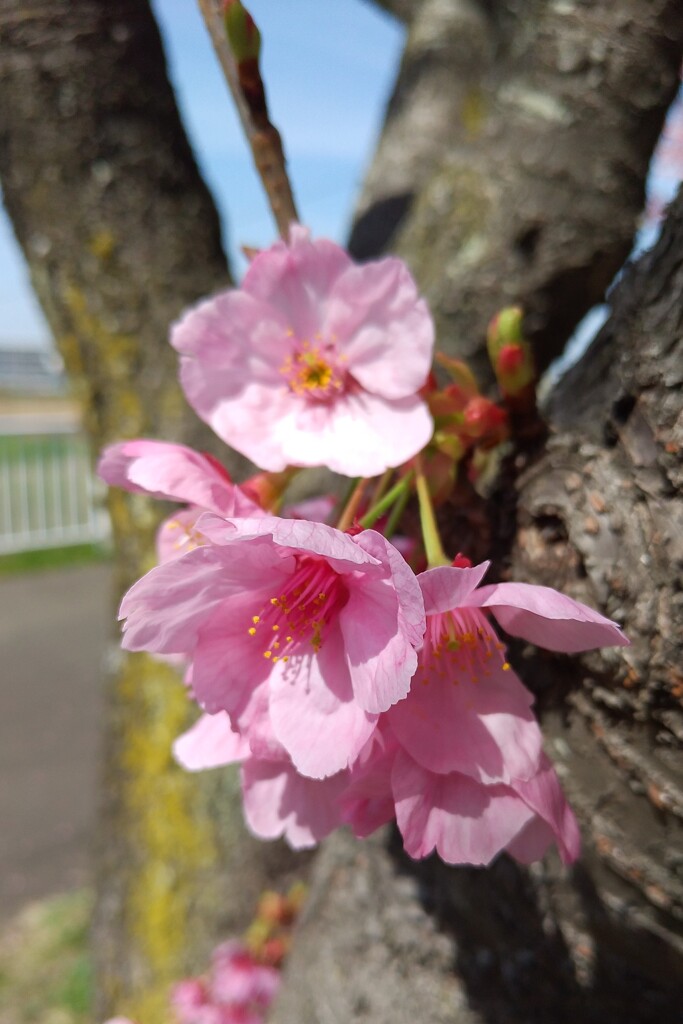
pixel 247 90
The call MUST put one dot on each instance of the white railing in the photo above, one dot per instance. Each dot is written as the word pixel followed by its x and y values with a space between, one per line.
pixel 48 495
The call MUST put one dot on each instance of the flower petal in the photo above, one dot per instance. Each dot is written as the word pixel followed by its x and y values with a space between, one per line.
pixel 368 801
pixel 383 326
pixel 410 601
pixel 359 434
pixel 167 607
pixel 313 711
pixel 380 660
pixel 254 723
pixel 235 333
pixel 296 279
pixel 543 794
pixel 228 662
pixel 547 618
pixel 465 821
pixel 485 729
pixel 532 843
pixel 302 536
pixel 173 472
pixel 249 419
pixel 446 587
pixel 164 610
pixel 280 802
pixel 210 743
pixel 382 622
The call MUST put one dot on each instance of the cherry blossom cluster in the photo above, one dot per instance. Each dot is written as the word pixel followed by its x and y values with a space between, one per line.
pixel 244 975
pixel 350 688
pixel 237 990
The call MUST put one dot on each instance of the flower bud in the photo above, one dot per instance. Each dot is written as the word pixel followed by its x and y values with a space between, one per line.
pixel 510 355
pixel 462 561
pixel 272 907
pixel 243 35
pixel 510 359
pixel 484 421
pixel 266 489
pixel 275 950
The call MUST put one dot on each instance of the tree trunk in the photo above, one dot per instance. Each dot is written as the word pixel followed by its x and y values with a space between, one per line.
pixel 599 515
pixel 513 159
pixel 120 234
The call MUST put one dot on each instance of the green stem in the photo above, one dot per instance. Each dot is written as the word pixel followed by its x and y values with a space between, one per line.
pixel 385 503
pixel 396 513
pixel 381 487
pixel 430 531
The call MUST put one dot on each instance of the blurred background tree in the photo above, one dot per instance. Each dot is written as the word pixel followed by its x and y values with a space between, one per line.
pixel 511 168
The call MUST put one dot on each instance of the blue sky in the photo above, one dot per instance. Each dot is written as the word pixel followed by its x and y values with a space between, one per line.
pixel 328 65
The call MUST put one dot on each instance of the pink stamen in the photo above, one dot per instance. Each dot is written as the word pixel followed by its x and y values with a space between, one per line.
pixel 293 621
pixel 459 644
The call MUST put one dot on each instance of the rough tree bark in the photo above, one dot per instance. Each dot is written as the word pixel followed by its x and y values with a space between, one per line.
pixel 120 234
pixel 512 162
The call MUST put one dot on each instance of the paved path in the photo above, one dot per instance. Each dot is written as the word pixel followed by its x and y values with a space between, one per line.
pixel 53 627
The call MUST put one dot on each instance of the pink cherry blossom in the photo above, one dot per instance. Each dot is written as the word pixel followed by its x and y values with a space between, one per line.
pixel 173 472
pixel 238 990
pixel 315 510
pixel 313 361
pixel 187 998
pixel 367 802
pixel 210 743
pixel 238 979
pixel 278 801
pixel 468 822
pixel 329 621
pixel 467 711
pixel 461 757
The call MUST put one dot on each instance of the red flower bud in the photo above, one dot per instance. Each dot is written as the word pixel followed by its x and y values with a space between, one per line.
pixel 484 419
pixel 272 907
pixel 275 950
pixel 462 561
pixel 510 354
pixel 266 489
pixel 510 359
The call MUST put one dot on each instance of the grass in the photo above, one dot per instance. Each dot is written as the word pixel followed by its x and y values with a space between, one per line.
pixel 52 558
pixel 45 969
